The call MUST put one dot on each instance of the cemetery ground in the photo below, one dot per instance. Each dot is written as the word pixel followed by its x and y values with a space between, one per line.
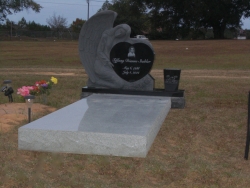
pixel 199 146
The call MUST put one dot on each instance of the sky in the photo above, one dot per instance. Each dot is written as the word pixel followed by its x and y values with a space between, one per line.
pixel 70 10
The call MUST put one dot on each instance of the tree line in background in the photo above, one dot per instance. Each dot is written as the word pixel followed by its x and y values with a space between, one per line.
pixel 181 19
pixel 158 19
pixel 57 28
pixel 55 23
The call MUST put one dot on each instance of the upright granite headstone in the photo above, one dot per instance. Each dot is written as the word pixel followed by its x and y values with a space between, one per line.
pixel 111 58
pixel 105 124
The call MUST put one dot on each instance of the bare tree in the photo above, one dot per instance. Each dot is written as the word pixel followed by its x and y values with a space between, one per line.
pixel 57 23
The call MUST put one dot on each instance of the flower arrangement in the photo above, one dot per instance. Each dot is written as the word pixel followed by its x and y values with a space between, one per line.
pixel 41 87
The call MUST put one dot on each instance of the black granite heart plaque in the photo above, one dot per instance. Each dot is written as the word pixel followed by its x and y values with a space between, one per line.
pixel 132 61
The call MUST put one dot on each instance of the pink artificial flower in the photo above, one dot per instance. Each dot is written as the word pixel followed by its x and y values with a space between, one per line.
pixel 30 87
pixel 24 91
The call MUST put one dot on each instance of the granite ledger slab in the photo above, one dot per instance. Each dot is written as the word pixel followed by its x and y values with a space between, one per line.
pixel 101 124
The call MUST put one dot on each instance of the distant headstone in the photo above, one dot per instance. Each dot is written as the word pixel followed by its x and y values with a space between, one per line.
pixel 100 45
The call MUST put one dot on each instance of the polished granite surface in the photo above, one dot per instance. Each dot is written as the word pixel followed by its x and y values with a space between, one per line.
pixel 99 124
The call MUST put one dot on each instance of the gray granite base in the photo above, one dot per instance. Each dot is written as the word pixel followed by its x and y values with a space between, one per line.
pixel 101 124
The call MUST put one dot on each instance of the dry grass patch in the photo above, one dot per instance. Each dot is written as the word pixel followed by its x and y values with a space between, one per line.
pixel 217 54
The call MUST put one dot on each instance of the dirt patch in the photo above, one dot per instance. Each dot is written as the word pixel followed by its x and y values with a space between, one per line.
pixel 44 71
pixel 54 73
pixel 12 114
pixel 221 74
pixel 156 73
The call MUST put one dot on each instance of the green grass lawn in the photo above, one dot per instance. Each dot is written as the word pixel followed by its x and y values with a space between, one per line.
pixel 199 146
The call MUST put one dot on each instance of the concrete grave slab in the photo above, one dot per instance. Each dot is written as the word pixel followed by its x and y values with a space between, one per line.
pixel 101 124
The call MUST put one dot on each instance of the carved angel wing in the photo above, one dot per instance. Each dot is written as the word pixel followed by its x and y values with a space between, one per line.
pixel 90 37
